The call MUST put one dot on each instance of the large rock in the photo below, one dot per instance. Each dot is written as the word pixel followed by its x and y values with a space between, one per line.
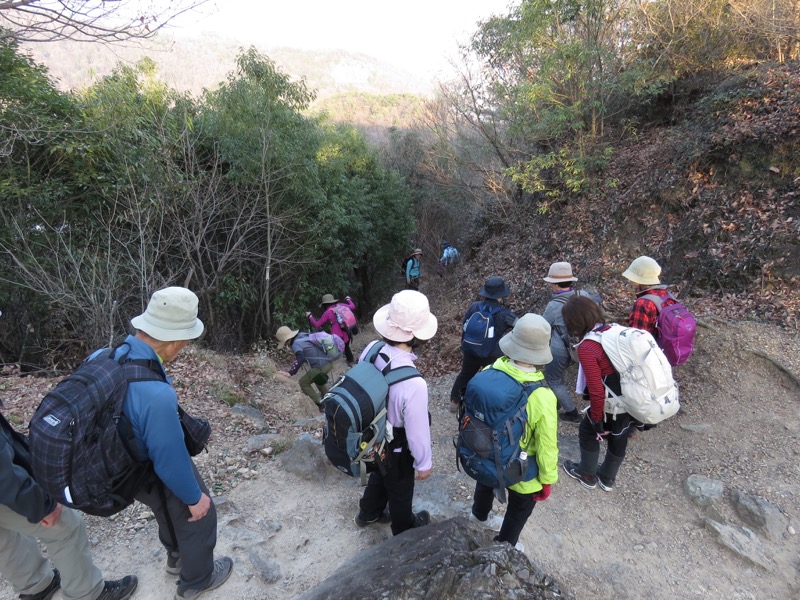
pixel 702 490
pixel 451 560
pixel 761 513
pixel 741 541
pixel 306 458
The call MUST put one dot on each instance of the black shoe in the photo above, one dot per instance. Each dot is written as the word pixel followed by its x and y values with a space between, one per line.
pixel 605 484
pixel 222 570
pixel 572 416
pixel 47 592
pixel 360 521
pixel 571 469
pixel 119 589
pixel 174 563
pixel 422 518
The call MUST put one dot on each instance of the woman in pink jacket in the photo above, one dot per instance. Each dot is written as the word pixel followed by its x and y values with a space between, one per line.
pixel 331 306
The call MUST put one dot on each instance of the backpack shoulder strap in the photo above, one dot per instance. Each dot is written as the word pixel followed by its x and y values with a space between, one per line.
pixel 136 369
pixel 657 300
pixel 401 374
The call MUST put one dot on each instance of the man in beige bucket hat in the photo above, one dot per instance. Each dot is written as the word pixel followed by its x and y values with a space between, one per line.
pixel 177 495
pixel 561 281
pixel 644 274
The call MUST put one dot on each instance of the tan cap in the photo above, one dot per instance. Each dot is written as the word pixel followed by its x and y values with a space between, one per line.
pixel 560 272
pixel 529 341
pixel 644 271
pixel 284 334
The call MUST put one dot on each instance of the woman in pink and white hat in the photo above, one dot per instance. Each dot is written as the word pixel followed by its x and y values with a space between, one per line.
pixel 404 325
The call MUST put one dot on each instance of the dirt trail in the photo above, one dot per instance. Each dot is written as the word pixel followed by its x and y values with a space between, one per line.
pixel 739 424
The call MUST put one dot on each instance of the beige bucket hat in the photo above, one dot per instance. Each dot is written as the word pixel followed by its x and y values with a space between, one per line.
pixel 328 299
pixel 529 341
pixel 644 271
pixel 284 334
pixel 560 272
pixel 171 315
pixel 406 317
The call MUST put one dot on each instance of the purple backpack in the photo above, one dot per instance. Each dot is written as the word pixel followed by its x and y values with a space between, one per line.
pixel 675 329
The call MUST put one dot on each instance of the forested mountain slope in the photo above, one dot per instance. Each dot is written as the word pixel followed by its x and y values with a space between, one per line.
pixel 711 190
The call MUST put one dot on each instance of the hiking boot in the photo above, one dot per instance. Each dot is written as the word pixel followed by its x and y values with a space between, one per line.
pixel 519 547
pixel 174 563
pixel 384 518
pixel 222 570
pixel 572 416
pixel 422 518
pixel 571 469
pixel 605 484
pixel 119 589
pixel 47 592
pixel 492 522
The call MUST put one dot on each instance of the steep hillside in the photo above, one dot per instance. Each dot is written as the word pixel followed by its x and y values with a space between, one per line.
pixel 713 195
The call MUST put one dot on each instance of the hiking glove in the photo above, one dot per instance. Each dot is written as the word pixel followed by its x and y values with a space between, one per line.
pixel 597 426
pixel 544 494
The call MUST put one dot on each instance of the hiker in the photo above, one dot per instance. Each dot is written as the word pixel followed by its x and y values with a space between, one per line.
pixel 450 257
pixel 583 316
pixel 644 274
pixel 177 495
pixel 485 322
pixel 561 281
pixel 334 313
pixel 413 269
pixel 404 325
pixel 309 352
pixel 526 349
pixel 28 514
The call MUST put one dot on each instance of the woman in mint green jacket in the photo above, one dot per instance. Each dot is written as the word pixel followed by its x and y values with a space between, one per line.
pixel 526 349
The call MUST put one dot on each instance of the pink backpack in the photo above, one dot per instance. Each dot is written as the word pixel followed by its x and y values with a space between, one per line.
pixel 344 316
pixel 675 329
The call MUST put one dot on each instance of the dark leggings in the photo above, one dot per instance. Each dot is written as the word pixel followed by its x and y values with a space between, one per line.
pixel 520 507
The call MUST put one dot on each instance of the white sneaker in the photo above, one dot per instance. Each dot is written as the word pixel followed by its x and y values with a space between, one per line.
pixel 493 522
pixel 519 547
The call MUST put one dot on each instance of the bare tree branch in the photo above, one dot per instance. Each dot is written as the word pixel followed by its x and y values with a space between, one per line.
pixel 88 20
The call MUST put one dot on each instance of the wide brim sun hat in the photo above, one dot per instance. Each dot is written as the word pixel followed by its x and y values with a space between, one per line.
pixel 644 271
pixel 406 317
pixel 528 341
pixel 284 334
pixel 417 250
pixel 171 315
pixel 495 288
pixel 559 273
pixel 328 299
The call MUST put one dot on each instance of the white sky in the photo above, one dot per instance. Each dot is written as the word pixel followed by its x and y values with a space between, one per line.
pixel 417 35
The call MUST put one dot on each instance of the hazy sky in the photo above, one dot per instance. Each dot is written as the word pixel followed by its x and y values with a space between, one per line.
pixel 417 35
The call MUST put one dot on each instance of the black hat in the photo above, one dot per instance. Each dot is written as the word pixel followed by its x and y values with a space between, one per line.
pixel 494 288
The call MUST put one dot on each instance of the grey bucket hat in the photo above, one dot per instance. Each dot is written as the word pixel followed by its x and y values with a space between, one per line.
pixel 529 341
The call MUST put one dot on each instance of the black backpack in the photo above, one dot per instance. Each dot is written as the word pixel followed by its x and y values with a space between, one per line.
pixel 81 443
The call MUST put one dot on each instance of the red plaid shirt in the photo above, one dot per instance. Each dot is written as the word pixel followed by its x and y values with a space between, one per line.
pixel 645 313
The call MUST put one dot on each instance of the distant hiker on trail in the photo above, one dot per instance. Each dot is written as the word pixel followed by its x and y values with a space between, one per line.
pixel 485 322
pixel 450 257
pixel 404 324
pixel 310 349
pixel 177 495
pixel 583 316
pixel 561 281
pixel 644 273
pixel 28 514
pixel 526 349
pixel 340 316
pixel 413 269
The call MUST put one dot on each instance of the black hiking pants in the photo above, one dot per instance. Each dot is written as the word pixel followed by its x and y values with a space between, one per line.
pixel 520 507
pixel 194 541
pixel 470 365
pixel 395 488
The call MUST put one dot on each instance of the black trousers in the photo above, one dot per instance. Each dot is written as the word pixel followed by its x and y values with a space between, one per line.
pixel 194 541
pixel 395 488
pixel 520 507
pixel 620 430
pixel 470 364
pixel 348 353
